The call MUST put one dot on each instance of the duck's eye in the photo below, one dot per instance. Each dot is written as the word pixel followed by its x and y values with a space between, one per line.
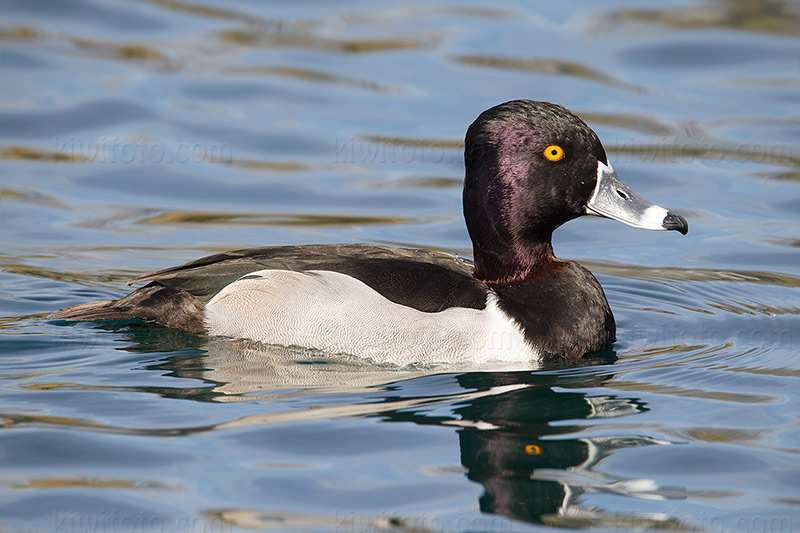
pixel 554 152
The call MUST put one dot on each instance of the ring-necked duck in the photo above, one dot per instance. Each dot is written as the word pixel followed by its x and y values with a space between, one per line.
pixel 530 167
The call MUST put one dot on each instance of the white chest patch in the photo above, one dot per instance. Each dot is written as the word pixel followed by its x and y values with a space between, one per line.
pixel 336 313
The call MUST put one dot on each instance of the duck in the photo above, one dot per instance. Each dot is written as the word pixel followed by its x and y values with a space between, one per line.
pixel 530 166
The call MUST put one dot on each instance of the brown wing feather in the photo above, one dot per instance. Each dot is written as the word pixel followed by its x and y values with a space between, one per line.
pixel 152 303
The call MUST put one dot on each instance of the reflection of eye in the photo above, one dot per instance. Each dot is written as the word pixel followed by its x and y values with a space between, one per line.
pixel 554 152
pixel 532 449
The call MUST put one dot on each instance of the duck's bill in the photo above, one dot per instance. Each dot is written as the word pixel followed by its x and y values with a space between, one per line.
pixel 613 199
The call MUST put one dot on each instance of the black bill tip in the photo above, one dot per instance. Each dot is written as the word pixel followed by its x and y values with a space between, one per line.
pixel 676 222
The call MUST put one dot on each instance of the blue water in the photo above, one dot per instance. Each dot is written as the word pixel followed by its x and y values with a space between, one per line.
pixel 136 135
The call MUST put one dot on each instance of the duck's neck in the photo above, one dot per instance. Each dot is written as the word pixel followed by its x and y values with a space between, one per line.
pixel 507 265
pixel 510 226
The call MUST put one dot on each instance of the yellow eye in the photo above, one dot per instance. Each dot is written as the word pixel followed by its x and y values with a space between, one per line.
pixel 554 152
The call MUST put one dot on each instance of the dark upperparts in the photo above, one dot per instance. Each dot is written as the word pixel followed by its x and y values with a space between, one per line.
pixel 422 279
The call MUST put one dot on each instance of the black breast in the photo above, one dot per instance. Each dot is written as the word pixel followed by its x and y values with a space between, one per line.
pixel 564 314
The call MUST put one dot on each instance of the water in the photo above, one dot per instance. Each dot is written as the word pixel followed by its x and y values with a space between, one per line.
pixel 137 135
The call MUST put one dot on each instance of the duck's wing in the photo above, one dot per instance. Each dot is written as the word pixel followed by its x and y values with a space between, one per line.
pixel 425 280
pixel 176 297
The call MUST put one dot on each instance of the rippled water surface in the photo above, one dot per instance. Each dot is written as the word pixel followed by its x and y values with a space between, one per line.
pixel 135 135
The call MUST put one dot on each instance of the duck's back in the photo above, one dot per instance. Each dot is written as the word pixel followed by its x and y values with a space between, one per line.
pixel 424 280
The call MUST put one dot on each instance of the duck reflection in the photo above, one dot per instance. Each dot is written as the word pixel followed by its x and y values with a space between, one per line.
pixel 519 431
pixel 530 469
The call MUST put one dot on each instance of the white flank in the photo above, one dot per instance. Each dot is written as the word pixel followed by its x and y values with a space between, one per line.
pixel 336 313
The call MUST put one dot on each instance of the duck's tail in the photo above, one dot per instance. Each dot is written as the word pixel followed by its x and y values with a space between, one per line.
pixel 152 303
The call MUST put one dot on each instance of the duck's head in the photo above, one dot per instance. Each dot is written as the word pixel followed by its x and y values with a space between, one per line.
pixel 530 167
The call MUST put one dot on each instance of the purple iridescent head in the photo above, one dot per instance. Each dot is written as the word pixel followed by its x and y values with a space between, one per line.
pixel 530 167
